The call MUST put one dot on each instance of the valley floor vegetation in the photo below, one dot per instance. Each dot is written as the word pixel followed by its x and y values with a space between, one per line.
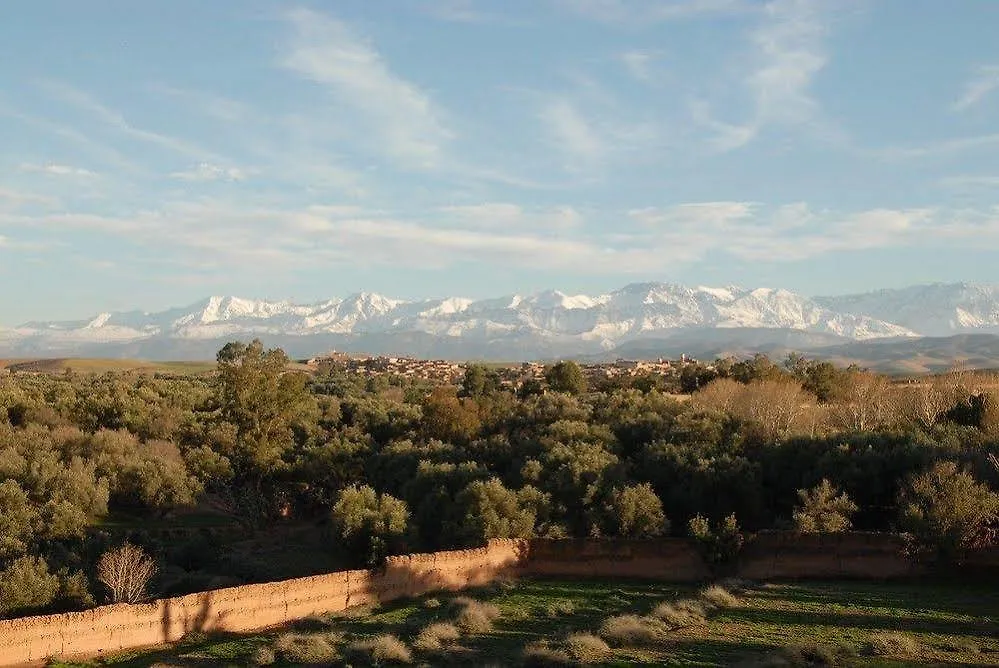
pixel 123 486
pixel 589 622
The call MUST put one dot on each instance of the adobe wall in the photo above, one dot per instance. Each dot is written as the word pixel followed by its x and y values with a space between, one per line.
pixel 768 555
pixel 674 559
pixel 112 628
pixel 786 554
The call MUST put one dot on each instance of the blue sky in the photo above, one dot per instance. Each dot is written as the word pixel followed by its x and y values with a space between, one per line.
pixel 158 152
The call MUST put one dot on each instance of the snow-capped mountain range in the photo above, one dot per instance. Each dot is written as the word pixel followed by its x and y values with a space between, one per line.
pixel 548 321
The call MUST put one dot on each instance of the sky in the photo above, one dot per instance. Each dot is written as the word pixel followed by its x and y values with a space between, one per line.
pixel 158 152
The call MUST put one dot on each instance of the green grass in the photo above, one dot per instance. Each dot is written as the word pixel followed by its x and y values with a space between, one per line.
pixel 956 625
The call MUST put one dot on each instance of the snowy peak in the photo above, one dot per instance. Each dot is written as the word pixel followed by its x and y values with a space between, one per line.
pixel 940 309
pixel 635 311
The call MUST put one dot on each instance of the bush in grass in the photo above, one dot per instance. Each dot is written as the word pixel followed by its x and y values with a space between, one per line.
pixel 380 650
pixel 560 607
pixel 587 648
pixel 680 614
pixel 541 654
pixel 719 597
pixel 432 603
pixel 631 630
pixel 306 648
pixel 435 636
pixel 264 656
pixel 894 644
pixel 474 616
pixel 817 655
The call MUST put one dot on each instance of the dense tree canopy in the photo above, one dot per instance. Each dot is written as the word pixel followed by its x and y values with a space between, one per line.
pixel 220 477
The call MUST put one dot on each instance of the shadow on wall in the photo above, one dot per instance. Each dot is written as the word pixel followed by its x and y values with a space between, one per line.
pixel 201 621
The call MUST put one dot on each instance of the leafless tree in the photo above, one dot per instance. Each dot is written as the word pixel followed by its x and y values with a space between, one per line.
pixel 126 572
pixel 866 403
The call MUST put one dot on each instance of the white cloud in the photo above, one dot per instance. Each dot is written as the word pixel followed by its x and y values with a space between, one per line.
pixel 90 104
pixel 574 134
pixel 938 148
pixel 789 52
pixel 637 64
pixel 504 215
pixel 56 170
pixel 970 182
pixel 406 121
pixel 458 11
pixel 644 12
pixel 206 171
pixel 984 82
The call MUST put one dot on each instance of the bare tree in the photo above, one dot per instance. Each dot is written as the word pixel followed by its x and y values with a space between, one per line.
pixel 126 572
pixel 925 401
pixel 776 405
pixel 866 404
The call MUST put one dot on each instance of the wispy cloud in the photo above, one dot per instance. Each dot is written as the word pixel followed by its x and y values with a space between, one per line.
pixel 206 171
pixel 407 124
pixel 84 101
pixel 984 82
pixel 459 11
pixel 574 134
pixel 636 63
pixel 644 12
pixel 56 170
pixel 970 182
pixel 941 148
pixel 789 52
pixel 506 215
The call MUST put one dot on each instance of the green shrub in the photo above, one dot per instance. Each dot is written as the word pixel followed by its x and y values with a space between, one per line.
pixel 27 586
pixel 823 509
pixel 719 545
pixel 631 630
pixel 380 650
pixel 432 603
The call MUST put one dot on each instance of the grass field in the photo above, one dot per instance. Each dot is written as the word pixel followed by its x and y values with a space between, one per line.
pixel 939 624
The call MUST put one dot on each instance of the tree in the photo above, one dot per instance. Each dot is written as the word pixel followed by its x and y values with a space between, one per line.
pixel 448 418
pixel 947 510
pixel 26 586
pixel 864 403
pixel 634 511
pixel 369 524
pixel 720 544
pixel 126 572
pixel 262 399
pixel 823 509
pixel 566 377
pixel 493 511
pixel 479 381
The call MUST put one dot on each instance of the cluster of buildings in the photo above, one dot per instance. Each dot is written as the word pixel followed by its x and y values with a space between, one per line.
pixel 448 372
pixel 436 371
